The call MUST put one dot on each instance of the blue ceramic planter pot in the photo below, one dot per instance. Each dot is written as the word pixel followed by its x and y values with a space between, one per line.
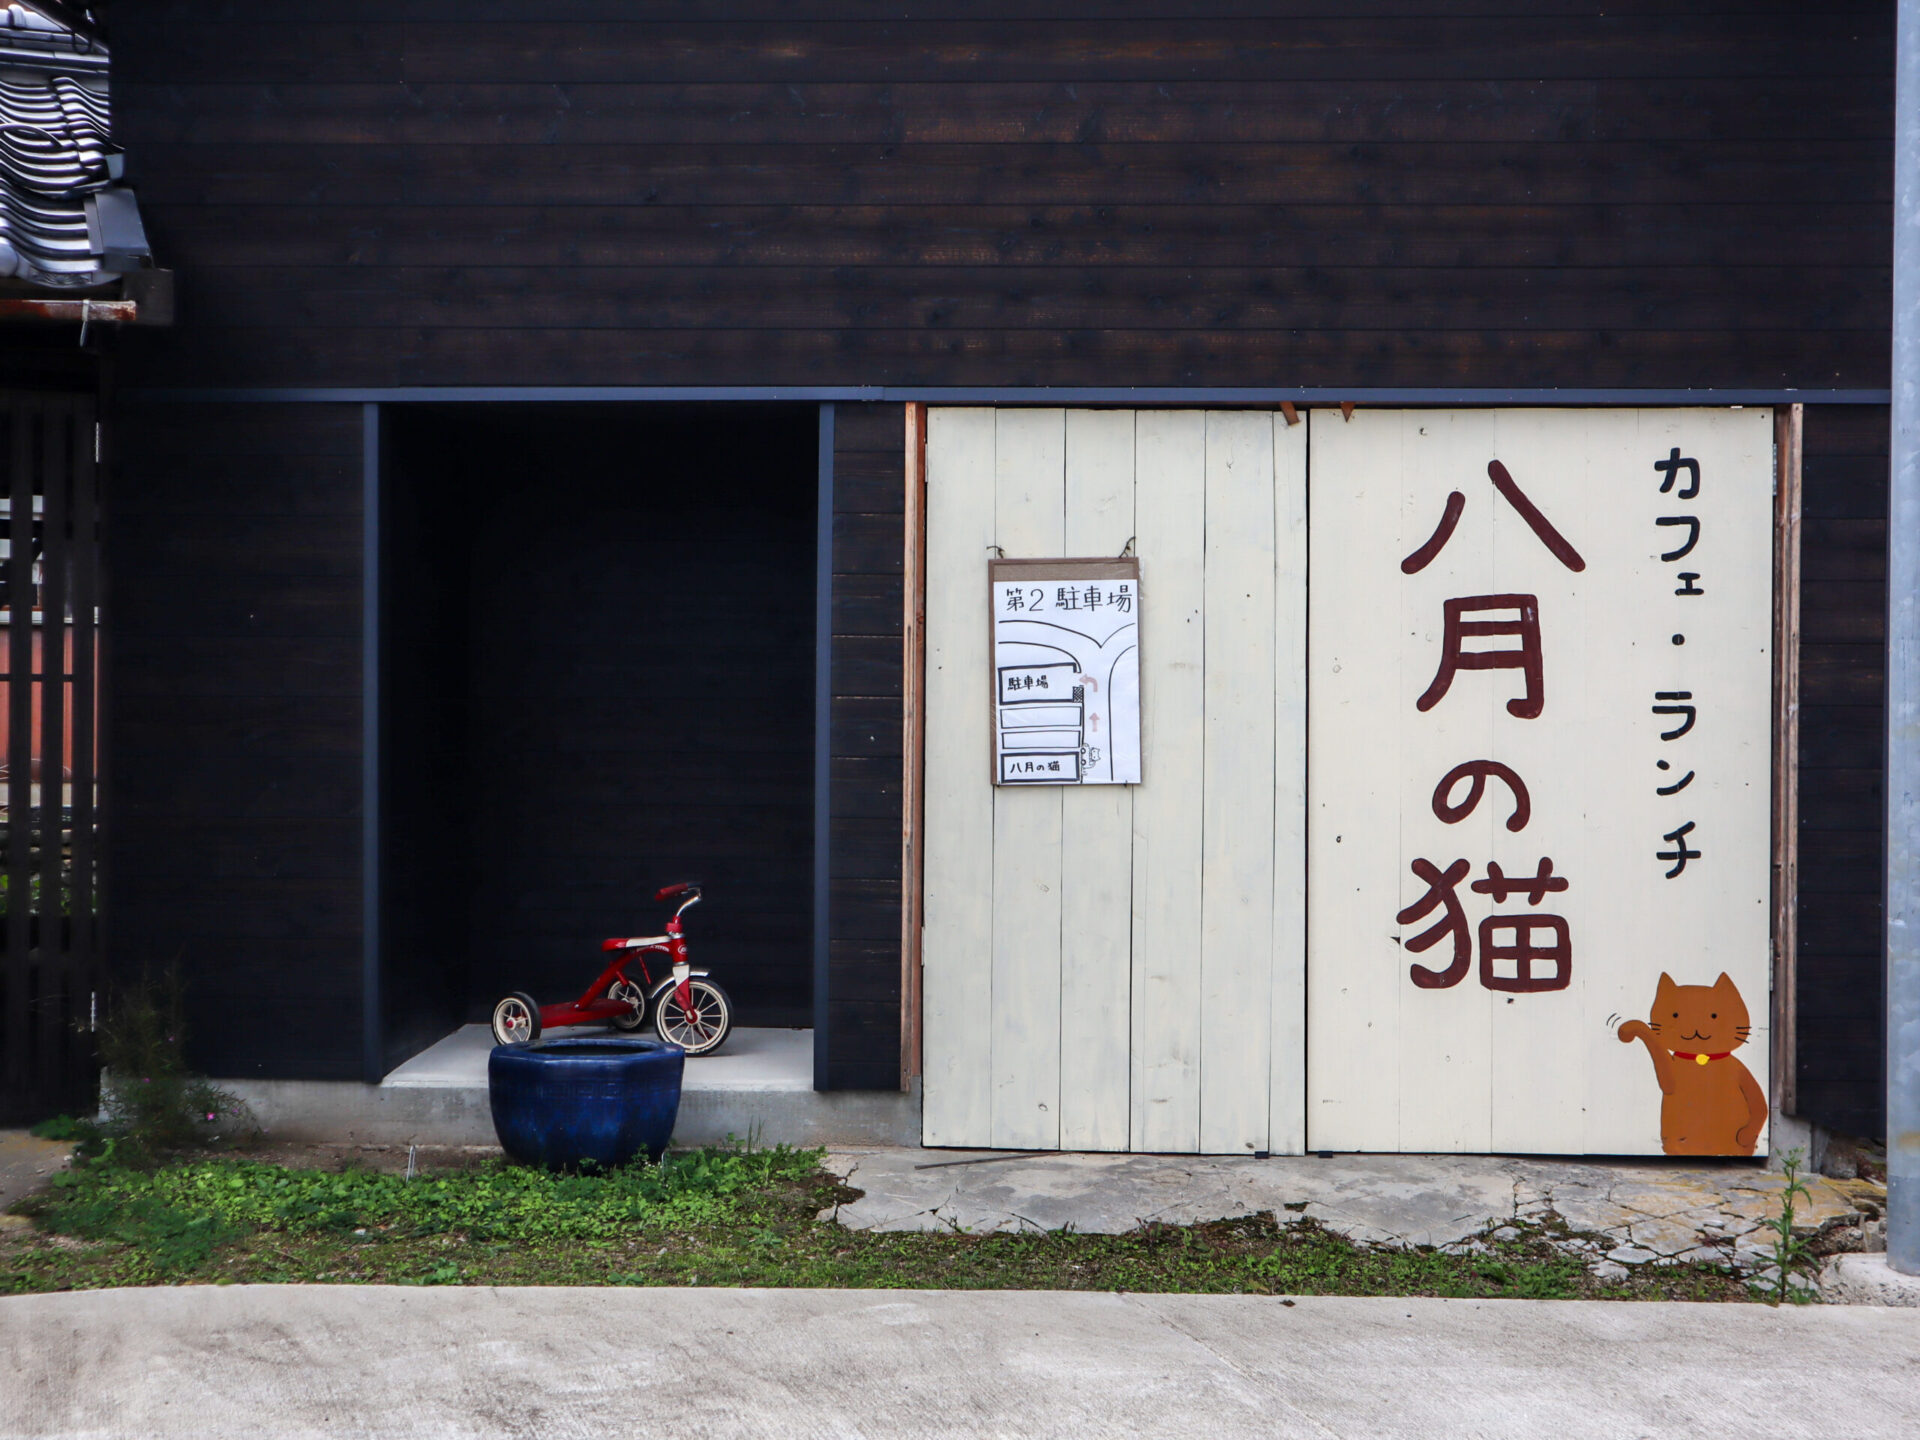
pixel 559 1102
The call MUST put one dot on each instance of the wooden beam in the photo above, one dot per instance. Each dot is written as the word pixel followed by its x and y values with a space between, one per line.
pixel 913 743
pixel 1787 447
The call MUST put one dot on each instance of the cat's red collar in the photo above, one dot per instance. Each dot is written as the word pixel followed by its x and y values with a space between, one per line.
pixel 1700 1059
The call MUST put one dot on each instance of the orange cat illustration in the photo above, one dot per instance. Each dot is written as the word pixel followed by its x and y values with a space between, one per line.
pixel 1710 1104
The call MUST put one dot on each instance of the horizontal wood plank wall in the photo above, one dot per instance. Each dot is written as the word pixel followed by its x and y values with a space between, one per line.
pixel 863 948
pixel 1843 606
pixel 233 549
pixel 402 192
pixel 367 192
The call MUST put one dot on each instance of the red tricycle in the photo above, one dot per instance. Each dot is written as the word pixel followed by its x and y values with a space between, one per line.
pixel 688 1009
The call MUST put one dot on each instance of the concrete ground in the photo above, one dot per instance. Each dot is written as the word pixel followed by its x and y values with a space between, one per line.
pixel 1617 1215
pixel 336 1361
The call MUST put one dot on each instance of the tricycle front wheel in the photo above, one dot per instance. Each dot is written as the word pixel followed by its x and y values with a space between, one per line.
pixel 702 1030
pixel 516 1019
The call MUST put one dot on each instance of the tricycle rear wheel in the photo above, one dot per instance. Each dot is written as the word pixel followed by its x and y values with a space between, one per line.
pixel 634 1019
pixel 516 1019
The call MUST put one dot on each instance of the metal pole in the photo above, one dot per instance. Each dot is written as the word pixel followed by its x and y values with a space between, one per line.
pixel 1903 671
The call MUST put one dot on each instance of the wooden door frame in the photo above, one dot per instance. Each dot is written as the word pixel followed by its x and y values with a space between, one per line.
pixel 1788 448
pixel 913 747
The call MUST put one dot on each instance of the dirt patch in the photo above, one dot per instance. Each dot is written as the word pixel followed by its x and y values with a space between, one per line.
pixel 385 1159
pixel 27 1164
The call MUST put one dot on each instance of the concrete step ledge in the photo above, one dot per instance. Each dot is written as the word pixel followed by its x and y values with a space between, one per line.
pixel 1868 1280
pixel 342 1112
pixel 758 1087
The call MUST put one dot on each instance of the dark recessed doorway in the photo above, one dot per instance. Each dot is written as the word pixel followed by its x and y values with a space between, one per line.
pixel 597 677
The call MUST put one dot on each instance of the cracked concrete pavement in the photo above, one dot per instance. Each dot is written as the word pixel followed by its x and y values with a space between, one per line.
pixel 208 1362
pixel 1627 1214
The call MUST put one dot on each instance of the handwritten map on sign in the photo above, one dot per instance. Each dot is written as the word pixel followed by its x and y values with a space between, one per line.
pixel 1066 671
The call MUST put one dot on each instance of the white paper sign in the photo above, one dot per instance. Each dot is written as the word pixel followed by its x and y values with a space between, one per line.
pixel 1066 671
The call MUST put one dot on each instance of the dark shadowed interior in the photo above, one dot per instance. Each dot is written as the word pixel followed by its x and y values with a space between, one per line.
pixel 597 673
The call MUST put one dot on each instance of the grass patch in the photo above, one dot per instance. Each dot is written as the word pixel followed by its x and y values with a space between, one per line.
pixel 714 1217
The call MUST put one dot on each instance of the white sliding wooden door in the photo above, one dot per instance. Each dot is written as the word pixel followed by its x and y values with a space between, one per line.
pixel 1541 700
pixel 1112 967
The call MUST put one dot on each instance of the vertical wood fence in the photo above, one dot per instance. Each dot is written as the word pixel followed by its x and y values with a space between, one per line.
pixel 49 627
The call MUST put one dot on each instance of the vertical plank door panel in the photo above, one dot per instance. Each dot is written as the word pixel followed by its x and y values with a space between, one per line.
pixel 1478 1060
pixel 1029 520
pixel 1143 944
pixel 1715 915
pixel 956 977
pixel 1445 1035
pixel 1237 801
pixel 1170 526
pixel 1568 465
pixel 1096 865
pixel 1353 786
pixel 1571 466
pixel 1287 1079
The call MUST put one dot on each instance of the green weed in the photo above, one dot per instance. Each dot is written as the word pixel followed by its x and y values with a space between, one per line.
pixel 155 1105
pixel 1788 1249
pixel 172 1240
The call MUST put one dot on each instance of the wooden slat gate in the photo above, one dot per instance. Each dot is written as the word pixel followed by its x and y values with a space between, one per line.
pixel 49 608
pixel 1120 967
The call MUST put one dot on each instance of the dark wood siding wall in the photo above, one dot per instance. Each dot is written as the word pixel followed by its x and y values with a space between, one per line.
pixel 869 492
pixel 232 730
pixel 404 192
pixel 605 192
pixel 1843 597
